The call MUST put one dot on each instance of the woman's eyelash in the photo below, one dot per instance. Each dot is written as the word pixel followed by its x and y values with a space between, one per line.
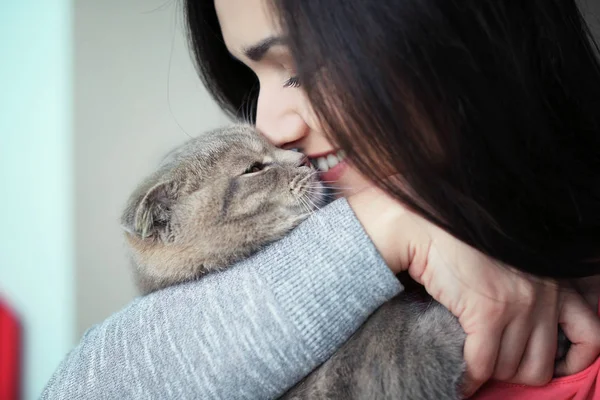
pixel 292 82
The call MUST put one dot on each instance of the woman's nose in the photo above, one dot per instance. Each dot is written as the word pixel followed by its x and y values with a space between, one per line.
pixel 281 124
pixel 285 132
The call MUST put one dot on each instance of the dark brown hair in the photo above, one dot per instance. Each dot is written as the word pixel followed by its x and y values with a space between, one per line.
pixel 488 110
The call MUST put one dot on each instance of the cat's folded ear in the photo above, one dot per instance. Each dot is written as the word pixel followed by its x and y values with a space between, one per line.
pixel 149 215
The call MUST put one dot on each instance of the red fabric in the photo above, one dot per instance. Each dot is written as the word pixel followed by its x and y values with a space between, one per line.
pixel 10 351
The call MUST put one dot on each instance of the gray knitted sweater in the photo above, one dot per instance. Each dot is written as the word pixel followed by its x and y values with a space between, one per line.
pixel 250 332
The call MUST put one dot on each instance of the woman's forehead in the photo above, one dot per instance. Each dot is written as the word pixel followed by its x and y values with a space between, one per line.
pixel 244 23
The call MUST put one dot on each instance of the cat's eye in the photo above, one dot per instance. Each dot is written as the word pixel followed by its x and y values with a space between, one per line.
pixel 256 167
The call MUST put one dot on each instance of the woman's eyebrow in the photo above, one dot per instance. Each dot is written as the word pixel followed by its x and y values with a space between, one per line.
pixel 256 52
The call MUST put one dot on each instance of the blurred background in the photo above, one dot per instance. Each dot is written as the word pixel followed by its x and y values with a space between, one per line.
pixel 92 94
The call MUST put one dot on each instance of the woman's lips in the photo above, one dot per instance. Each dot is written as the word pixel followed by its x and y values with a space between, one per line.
pixel 330 165
pixel 334 174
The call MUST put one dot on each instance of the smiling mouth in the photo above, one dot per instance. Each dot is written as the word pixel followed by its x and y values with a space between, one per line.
pixel 327 161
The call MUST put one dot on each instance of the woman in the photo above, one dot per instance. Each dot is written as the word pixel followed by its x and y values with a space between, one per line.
pixel 487 112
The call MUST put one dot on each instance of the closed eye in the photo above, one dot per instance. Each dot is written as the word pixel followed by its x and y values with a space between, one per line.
pixel 292 82
pixel 255 167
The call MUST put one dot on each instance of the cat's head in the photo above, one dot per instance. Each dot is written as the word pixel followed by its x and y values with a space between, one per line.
pixel 217 198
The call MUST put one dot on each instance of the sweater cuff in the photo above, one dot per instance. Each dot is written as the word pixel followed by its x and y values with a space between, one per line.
pixel 337 282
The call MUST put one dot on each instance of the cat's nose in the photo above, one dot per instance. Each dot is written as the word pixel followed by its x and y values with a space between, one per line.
pixel 303 161
pixel 300 160
pixel 291 158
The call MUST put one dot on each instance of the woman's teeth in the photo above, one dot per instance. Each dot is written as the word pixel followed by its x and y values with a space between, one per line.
pixel 326 163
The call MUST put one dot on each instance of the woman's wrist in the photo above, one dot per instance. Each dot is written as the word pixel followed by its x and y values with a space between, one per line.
pixel 388 224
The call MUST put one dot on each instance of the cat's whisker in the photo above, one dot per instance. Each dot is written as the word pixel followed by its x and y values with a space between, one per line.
pixel 338 187
pixel 245 109
pixel 249 109
pixel 304 205
pixel 308 201
pixel 326 193
pixel 248 105
pixel 242 111
pixel 308 196
pixel 329 187
pixel 313 204
pixel 305 201
pixel 321 191
pixel 302 200
pixel 334 184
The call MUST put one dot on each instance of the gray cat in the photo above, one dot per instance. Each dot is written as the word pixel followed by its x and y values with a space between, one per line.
pixel 213 201
pixel 224 195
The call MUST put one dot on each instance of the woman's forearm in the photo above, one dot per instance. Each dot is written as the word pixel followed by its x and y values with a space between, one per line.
pixel 249 332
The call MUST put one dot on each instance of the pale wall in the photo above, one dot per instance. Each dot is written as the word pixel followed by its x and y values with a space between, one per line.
pixel 136 94
pixel 36 185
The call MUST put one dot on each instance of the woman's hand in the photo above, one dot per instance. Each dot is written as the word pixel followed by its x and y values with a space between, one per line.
pixel 510 319
pixel 581 326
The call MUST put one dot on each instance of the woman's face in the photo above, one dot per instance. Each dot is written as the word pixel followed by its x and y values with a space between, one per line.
pixel 284 115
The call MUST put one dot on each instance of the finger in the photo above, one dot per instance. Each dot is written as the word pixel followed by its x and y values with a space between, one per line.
pixel 512 349
pixel 537 365
pixel 481 352
pixel 582 326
